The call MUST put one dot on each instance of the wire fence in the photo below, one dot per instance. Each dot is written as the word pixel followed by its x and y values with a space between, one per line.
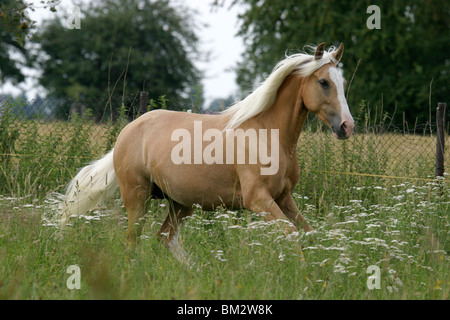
pixel 45 141
pixel 373 151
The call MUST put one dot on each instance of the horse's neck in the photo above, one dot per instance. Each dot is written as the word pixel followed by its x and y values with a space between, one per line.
pixel 288 114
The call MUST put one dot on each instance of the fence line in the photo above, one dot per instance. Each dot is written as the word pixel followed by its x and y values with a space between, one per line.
pixel 440 152
pixel 373 175
pixel 41 156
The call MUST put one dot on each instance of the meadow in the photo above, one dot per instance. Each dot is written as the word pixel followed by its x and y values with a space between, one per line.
pixel 402 229
pixel 399 225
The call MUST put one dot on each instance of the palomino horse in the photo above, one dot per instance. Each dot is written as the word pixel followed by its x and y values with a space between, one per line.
pixel 150 160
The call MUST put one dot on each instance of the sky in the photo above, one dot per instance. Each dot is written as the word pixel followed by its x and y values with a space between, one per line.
pixel 226 48
pixel 218 38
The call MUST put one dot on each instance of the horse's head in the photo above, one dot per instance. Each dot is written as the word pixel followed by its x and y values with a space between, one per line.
pixel 323 94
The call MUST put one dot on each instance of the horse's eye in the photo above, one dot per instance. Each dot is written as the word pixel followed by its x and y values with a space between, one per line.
pixel 324 83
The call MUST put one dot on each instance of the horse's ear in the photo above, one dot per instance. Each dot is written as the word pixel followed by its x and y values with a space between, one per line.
pixel 319 51
pixel 338 53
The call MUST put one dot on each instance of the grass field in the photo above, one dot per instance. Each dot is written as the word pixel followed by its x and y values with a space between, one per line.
pixel 399 225
pixel 402 228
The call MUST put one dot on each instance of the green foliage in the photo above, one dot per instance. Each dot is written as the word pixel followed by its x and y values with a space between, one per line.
pixel 16 27
pixel 78 144
pixel 114 128
pixel 9 132
pixel 160 103
pixel 122 48
pixel 197 99
pixel 29 155
pixel 397 63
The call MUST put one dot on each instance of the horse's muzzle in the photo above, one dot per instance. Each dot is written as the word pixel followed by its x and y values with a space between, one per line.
pixel 345 130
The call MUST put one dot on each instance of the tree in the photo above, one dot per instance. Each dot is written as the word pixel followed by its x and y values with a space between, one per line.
pixel 220 104
pixel 15 28
pixel 122 48
pixel 14 25
pixel 397 64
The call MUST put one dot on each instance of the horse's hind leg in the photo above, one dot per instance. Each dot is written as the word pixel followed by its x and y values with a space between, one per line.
pixel 135 198
pixel 170 229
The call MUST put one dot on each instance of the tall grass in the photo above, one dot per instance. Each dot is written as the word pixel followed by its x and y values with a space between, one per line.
pixel 402 228
pixel 399 225
pixel 39 157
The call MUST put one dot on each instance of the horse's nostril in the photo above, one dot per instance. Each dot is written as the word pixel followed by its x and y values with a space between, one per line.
pixel 344 125
pixel 347 128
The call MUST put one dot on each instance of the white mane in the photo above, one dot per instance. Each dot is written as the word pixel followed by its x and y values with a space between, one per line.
pixel 264 96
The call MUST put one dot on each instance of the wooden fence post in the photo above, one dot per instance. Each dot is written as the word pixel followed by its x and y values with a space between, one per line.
pixel 440 139
pixel 143 103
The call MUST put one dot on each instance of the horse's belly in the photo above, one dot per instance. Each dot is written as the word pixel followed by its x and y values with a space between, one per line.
pixel 209 186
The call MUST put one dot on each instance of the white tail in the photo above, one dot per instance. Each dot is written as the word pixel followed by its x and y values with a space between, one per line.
pixel 92 185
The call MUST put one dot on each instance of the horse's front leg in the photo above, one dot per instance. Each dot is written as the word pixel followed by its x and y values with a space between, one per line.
pixel 260 200
pixel 290 209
